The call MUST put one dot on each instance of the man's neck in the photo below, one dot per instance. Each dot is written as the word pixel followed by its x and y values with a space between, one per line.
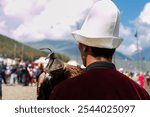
pixel 90 59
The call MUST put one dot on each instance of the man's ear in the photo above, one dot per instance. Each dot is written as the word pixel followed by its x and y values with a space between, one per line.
pixel 85 49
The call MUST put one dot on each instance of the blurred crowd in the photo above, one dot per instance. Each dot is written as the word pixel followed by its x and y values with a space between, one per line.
pixel 20 73
pixel 140 77
pixel 27 73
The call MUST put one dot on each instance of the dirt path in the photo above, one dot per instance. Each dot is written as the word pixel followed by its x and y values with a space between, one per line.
pixel 19 92
pixel 147 88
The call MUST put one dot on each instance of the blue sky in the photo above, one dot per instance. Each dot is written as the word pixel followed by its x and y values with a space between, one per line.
pixel 34 20
pixel 130 9
pixel 134 16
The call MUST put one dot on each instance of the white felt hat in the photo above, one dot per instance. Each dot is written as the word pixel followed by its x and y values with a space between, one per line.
pixel 101 27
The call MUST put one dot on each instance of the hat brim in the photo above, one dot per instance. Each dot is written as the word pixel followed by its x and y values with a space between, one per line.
pixel 109 42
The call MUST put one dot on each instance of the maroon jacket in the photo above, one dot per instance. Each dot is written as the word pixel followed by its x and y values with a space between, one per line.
pixel 100 81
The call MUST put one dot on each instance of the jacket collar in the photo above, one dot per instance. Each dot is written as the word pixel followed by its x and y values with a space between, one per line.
pixel 95 65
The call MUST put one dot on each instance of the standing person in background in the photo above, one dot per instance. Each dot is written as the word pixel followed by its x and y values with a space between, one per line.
pixel 25 75
pixel 2 79
pixel 147 77
pixel 30 74
pixel 141 79
pixel 98 39
pixel 13 75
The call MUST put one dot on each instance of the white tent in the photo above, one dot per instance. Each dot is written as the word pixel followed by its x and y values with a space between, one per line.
pixel 42 60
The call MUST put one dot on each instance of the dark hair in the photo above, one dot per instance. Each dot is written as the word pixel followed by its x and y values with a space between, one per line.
pixel 102 52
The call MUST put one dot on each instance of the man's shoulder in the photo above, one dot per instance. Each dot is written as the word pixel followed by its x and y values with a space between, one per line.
pixel 64 89
pixel 71 81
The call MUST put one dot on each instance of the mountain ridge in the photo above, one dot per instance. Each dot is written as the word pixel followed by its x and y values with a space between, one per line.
pixel 68 47
pixel 10 48
pixel 142 54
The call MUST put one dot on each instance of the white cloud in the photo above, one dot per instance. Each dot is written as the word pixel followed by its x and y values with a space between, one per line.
pixel 22 9
pixel 45 18
pixel 2 25
pixel 128 50
pixel 128 45
pixel 125 31
pixel 143 26
pixel 144 36
pixel 3 28
pixel 142 23
pixel 56 19
pixel 145 14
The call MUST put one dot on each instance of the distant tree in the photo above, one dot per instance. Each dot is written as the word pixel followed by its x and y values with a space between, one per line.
pixel 63 57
